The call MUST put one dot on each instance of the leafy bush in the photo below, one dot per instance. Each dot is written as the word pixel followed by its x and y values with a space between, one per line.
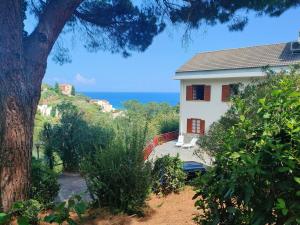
pixel 169 125
pixel 256 178
pixel 44 185
pixel 168 175
pixel 72 137
pixel 117 176
pixel 26 212
pixel 61 213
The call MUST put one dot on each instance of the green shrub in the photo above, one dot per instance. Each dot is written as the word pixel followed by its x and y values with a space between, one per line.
pixel 256 176
pixel 44 185
pixel 117 176
pixel 168 175
pixel 169 125
pixel 61 212
pixel 26 212
pixel 72 137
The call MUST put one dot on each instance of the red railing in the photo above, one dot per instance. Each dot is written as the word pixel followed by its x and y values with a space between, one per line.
pixel 158 140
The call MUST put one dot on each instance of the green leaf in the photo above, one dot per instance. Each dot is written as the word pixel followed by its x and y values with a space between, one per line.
pixel 285 211
pixel 23 221
pixel 242 118
pixel 3 218
pixel 71 222
pixel 235 155
pixel 280 203
pixel 262 101
pixel 50 218
pixel 283 169
pixel 297 179
pixel 298 193
pixel 276 92
pixel 80 208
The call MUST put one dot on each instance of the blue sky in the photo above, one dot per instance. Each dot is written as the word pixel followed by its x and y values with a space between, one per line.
pixel 152 70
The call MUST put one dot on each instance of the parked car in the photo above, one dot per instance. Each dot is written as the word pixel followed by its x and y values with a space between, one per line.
pixel 192 168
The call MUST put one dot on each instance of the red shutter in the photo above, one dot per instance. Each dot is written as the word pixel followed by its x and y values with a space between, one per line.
pixel 189 93
pixel 189 126
pixel 207 93
pixel 225 93
pixel 202 127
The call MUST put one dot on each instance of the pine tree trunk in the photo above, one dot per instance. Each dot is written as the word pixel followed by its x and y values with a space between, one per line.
pixel 19 97
pixel 17 119
pixel 23 63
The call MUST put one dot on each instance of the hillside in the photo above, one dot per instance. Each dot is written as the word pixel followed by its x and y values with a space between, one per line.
pixel 50 97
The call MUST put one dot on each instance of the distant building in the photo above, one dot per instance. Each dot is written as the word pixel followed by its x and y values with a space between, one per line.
pixel 104 105
pixel 45 110
pixel 66 89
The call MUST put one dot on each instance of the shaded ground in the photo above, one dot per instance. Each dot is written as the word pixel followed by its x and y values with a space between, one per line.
pixel 175 209
pixel 70 184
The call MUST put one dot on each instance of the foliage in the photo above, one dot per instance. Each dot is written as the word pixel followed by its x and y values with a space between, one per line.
pixel 68 135
pixel 117 176
pixel 169 125
pixel 73 137
pixel 168 175
pixel 132 26
pixel 25 212
pixel 46 136
pixel 62 211
pixel 44 186
pixel 73 92
pixel 161 117
pixel 56 88
pixel 255 179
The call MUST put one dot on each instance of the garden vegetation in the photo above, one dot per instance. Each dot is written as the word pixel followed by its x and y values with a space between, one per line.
pixel 256 174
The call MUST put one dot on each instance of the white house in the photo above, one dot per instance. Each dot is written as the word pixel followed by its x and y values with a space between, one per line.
pixel 66 89
pixel 104 105
pixel 209 79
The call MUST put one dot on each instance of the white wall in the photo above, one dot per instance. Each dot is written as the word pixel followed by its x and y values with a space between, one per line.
pixel 208 111
pixel 212 111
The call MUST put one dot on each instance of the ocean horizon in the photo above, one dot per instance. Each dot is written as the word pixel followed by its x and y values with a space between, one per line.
pixel 118 98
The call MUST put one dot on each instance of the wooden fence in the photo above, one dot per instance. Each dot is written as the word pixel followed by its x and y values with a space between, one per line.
pixel 158 140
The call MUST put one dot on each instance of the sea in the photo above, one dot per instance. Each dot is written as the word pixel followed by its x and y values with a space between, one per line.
pixel 118 98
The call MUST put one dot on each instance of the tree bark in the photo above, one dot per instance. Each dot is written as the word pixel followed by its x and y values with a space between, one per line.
pixel 22 68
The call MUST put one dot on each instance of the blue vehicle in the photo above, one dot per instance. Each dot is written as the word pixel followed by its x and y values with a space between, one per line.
pixel 192 168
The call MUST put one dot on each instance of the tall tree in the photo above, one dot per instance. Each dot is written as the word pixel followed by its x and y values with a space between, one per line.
pixel 56 88
pixel 114 25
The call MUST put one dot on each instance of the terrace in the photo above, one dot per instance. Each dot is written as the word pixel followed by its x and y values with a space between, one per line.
pixel 165 145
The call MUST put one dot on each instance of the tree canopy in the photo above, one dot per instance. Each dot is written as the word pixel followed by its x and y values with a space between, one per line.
pixel 123 26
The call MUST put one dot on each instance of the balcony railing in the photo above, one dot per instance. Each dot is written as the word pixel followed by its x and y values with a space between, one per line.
pixel 158 140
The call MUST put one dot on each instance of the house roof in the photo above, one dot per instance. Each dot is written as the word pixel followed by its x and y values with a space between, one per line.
pixel 240 58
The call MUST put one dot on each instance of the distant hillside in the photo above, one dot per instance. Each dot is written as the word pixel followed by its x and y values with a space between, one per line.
pixel 50 97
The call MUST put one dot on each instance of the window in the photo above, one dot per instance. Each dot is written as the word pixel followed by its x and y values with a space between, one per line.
pixel 229 91
pixel 234 89
pixel 198 92
pixel 196 126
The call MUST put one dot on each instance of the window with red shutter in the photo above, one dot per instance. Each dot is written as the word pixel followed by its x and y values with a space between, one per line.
pixel 189 125
pixel 225 93
pixel 196 126
pixel 207 91
pixel 229 91
pixel 189 93
pixel 202 127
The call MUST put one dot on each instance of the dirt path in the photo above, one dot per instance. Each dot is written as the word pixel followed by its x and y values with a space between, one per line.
pixel 175 209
